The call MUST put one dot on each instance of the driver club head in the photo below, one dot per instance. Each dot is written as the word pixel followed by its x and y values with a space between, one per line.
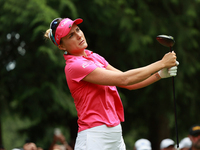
pixel 165 40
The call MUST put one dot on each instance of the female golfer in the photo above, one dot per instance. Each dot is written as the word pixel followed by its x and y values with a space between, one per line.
pixel 92 82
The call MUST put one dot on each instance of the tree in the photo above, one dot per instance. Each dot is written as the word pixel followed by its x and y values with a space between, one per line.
pixel 36 87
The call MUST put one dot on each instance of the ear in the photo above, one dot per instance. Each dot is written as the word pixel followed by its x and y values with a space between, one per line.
pixel 61 47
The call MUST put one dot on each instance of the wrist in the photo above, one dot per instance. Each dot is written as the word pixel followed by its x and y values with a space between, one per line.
pixel 162 64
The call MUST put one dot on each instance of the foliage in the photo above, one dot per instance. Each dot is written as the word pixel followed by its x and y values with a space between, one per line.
pixel 122 31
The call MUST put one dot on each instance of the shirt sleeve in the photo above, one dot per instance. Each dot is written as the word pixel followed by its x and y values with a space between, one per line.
pixel 79 69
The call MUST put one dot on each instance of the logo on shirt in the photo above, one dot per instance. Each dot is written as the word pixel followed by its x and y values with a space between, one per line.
pixel 85 64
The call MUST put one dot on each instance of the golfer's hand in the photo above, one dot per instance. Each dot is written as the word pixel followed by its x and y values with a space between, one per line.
pixel 168 72
pixel 169 60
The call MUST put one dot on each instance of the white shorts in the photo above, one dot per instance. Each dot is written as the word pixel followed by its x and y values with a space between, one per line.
pixel 100 138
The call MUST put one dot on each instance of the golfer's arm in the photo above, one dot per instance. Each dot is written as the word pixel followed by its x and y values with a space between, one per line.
pixel 153 78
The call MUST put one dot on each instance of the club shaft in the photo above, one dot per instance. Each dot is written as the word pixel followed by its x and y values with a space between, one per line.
pixel 175 115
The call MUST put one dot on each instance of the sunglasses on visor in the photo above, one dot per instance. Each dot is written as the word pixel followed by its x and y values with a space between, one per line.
pixel 54 23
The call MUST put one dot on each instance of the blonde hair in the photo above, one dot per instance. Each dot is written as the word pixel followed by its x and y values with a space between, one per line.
pixel 46 35
pixel 49 35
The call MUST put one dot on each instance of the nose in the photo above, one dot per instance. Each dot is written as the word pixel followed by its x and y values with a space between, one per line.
pixel 78 35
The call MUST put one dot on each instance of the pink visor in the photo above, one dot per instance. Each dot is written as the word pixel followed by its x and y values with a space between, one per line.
pixel 64 28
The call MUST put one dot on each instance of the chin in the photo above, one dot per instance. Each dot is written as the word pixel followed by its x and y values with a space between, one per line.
pixel 85 45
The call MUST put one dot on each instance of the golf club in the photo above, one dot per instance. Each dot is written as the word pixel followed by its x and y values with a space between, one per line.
pixel 168 41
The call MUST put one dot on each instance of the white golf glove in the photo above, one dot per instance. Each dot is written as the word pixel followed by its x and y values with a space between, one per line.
pixel 166 73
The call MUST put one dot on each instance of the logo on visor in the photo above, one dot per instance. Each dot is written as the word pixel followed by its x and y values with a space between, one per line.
pixel 63 23
pixel 57 38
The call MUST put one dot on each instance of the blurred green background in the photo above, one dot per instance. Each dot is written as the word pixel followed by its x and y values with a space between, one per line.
pixel 34 97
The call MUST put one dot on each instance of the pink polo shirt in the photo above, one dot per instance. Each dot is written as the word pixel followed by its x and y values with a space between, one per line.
pixel 95 104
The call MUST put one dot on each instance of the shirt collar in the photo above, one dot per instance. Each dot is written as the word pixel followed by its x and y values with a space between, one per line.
pixel 68 56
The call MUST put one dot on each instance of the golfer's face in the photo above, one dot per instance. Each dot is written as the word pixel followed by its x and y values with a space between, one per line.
pixel 75 41
pixel 196 141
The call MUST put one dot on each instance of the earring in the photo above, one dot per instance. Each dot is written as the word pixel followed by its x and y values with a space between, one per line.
pixel 65 52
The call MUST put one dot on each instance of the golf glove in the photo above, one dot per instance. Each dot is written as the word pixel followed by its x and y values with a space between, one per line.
pixel 166 73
